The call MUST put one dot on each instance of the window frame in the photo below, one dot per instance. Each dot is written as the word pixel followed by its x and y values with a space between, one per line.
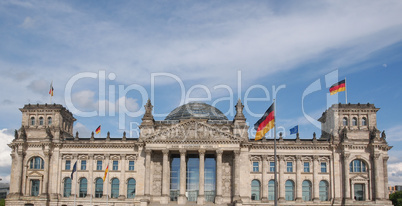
pixel 131 167
pixel 80 189
pixel 256 166
pixel 289 168
pixel 344 121
pixel 83 165
pixel 306 168
pixel 99 167
pixel 114 188
pixel 254 189
pixel 309 190
pixel 323 169
pixel 33 121
pixel 321 191
pixel 67 187
pixel 41 122
pixel 271 166
pixel 129 189
pixel 115 165
pixel 67 163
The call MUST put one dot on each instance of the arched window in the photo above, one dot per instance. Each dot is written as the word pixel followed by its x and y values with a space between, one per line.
pixel 115 188
pixel 271 190
pixel 67 187
pixel 364 121
pixel 323 190
pixel 98 188
pixel 357 166
pixel 36 163
pixel 49 121
pixel 83 187
pixel 289 190
pixel 306 190
pixel 131 188
pixel 354 121
pixel 40 120
pixel 255 190
pixel 345 121
pixel 32 121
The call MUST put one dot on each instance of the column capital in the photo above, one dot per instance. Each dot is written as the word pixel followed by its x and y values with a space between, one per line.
pixel 182 151
pixel 91 156
pixel 107 155
pixel 315 157
pixel 148 151
pixel 219 152
pixel 280 157
pixel 236 152
pixel 165 151
pixel 346 156
pixel 123 156
pixel 201 151
pixel 298 157
pixel 377 156
pixel 265 157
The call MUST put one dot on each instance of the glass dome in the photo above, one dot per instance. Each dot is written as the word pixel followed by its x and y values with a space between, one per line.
pixel 196 110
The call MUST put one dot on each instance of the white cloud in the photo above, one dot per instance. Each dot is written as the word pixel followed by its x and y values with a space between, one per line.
pixel 395 173
pixel 5 151
pixel 394 133
pixel 84 100
pixel 39 86
pixel 28 23
pixel 83 131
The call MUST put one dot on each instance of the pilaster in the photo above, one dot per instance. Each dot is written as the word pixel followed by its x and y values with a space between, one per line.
pixel 299 168
pixel 165 176
pixel 201 197
pixel 218 197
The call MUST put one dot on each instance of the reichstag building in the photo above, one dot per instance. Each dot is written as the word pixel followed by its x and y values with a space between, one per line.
pixel 197 156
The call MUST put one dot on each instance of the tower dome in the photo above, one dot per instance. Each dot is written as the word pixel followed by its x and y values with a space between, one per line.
pixel 196 110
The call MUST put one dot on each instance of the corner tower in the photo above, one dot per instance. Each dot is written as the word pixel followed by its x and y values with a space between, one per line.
pixel 46 121
pixel 358 120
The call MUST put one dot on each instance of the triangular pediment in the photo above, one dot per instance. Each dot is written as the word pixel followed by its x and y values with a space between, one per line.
pixel 194 130
pixel 359 178
pixel 35 174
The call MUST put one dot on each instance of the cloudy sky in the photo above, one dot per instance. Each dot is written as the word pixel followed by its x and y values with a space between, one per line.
pixel 106 58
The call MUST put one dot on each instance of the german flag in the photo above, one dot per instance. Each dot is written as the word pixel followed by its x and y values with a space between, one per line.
pixel 338 87
pixel 106 171
pixel 51 89
pixel 98 130
pixel 266 123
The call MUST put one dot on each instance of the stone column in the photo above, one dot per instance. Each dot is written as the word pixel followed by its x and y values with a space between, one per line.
pixel 218 197
pixel 46 174
pixel 148 172
pixel 165 176
pixel 201 197
pixel 264 179
pixel 123 184
pixel 90 181
pixel 378 180
pixel 316 194
pixel 182 196
pixel 236 175
pixel 281 160
pixel 346 173
pixel 385 167
pixel 299 168
pixel 16 174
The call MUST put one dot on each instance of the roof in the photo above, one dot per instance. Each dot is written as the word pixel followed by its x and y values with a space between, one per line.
pixel 196 110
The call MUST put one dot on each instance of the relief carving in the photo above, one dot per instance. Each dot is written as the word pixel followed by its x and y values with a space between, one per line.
pixel 227 174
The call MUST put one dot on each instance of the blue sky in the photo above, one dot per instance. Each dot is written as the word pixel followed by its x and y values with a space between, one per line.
pixel 211 51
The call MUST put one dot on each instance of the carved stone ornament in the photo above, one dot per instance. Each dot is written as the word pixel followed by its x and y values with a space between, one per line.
pixel 192 130
pixel 16 134
pixel 23 132
pixel 239 111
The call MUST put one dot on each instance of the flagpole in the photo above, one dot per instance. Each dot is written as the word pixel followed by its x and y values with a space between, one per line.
pixel 346 92
pixel 76 177
pixel 100 126
pixel 107 185
pixel 275 163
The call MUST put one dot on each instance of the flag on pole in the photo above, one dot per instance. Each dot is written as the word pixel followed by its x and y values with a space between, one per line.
pixel 98 129
pixel 294 130
pixel 338 87
pixel 74 169
pixel 266 123
pixel 106 171
pixel 51 89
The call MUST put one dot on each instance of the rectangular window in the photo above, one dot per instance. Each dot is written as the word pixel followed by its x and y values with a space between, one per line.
pixel 131 165
pixel 115 165
pixel 272 166
pixel 255 167
pixel 35 187
pixel 83 164
pixel 68 165
pixel 99 165
pixel 323 167
pixel 289 167
pixel 306 167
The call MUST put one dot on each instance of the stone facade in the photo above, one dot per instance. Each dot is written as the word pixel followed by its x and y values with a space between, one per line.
pixel 346 165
